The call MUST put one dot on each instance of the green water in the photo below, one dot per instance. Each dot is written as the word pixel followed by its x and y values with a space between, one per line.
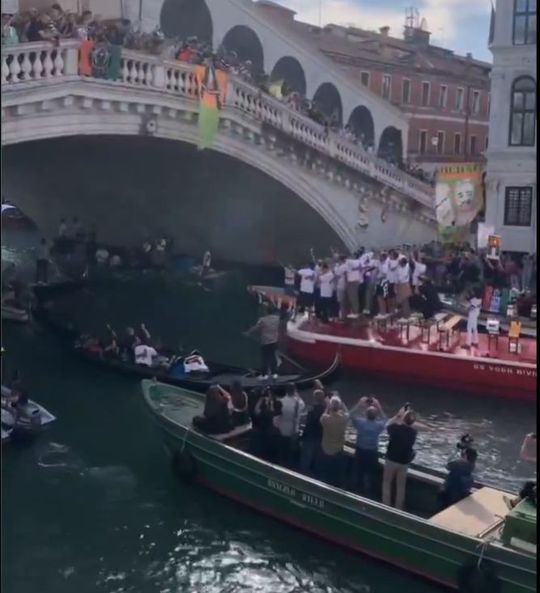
pixel 92 505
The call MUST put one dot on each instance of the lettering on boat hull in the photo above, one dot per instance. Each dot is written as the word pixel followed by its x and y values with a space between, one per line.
pixel 295 495
pixel 503 370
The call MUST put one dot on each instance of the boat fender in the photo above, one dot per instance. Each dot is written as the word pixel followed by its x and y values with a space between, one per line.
pixel 184 466
pixel 475 578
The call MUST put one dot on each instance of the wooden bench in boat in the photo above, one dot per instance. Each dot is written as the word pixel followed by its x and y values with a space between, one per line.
pixel 382 320
pixel 425 325
pixel 514 333
pixel 477 515
pixel 446 329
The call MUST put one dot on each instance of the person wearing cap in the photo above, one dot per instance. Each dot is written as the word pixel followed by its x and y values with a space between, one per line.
pixel 334 424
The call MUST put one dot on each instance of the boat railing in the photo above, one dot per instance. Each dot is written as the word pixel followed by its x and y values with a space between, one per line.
pixel 28 63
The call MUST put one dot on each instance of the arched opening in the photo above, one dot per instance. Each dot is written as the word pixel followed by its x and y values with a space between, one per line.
pixel 180 19
pixel 361 123
pixel 244 42
pixel 328 100
pixel 391 146
pixel 291 72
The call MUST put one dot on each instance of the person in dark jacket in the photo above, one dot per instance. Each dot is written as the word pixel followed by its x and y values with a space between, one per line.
pixel 460 480
pixel 312 434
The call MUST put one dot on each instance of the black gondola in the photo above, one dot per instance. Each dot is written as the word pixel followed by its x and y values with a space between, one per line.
pixel 223 374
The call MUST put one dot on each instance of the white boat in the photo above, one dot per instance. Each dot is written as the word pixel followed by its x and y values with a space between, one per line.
pixel 32 417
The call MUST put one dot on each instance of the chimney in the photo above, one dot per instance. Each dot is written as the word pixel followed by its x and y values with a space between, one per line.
pixel 384 31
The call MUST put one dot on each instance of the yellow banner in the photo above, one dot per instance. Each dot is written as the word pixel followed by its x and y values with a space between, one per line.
pixel 458 197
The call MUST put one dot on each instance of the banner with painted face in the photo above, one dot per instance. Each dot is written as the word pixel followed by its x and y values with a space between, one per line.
pixel 458 198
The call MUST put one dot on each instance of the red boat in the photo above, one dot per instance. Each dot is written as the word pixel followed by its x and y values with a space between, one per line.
pixel 433 357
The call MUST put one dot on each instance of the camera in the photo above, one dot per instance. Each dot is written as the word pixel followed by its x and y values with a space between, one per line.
pixel 465 442
pixel 369 400
pixel 407 406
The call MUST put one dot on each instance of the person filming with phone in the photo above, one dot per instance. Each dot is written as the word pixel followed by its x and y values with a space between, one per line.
pixel 460 479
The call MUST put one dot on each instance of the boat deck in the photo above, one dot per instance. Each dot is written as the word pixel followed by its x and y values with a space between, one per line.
pixel 490 349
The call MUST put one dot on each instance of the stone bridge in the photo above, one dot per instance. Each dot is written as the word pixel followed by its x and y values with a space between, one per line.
pixel 362 198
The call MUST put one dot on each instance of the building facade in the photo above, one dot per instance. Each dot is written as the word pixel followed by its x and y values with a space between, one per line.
pixel 446 96
pixel 511 168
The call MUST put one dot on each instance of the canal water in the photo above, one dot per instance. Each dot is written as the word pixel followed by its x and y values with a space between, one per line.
pixel 93 506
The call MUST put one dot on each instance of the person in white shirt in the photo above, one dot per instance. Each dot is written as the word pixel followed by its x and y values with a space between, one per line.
pixel 326 284
pixel 474 305
pixel 392 277
pixel 144 355
pixel 288 424
pixel 420 269
pixel 340 272
pixel 307 288
pixel 354 277
pixel 403 286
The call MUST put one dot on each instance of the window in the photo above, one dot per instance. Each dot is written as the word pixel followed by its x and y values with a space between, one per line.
pixel 422 142
pixel 523 112
pixel 386 86
pixel 440 142
pixel 426 92
pixel 364 78
pixel 457 143
pixel 473 145
pixel 406 91
pixel 476 102
pixel 459 99
pixel 518 206
pixel 443 96
pixel 524 32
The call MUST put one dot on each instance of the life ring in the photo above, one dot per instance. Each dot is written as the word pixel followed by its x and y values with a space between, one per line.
pixel 184 466
pixel 478 578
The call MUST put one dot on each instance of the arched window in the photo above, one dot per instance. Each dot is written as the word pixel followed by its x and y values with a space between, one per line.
pixel 524 32
pixel 523 112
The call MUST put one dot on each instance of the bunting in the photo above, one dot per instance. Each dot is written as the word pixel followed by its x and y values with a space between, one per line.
pixel 212 87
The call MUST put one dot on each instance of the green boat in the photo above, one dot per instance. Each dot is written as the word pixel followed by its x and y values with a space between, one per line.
pixel 474 546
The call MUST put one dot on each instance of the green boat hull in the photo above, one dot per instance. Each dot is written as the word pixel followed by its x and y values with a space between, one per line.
pixel 399 538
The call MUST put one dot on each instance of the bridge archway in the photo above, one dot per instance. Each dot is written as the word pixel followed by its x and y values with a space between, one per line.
pixel 391 146
pixel 361 122
pixel 328 99
pixel 291 72
pixel 186 18
pixel 246 44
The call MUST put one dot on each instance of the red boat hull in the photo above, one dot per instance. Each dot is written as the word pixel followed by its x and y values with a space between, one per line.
pixel 482 376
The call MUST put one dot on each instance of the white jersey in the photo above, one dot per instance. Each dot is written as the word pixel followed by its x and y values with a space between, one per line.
pixel 419 270
pixel 195 363
pixel 326 281
pixel 340 272
pixel 307 280
pixel 144 355
pixel 403 274
pixel 290 274
pixel 353 270
pixel 391 273
pixel 475 305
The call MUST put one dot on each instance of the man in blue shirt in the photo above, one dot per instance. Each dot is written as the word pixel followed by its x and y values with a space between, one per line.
pixel 369 420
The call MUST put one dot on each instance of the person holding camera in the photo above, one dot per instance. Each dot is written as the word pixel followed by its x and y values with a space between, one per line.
pixel 369 420
pixel 460 480
pixel 399 454
pixel 334 423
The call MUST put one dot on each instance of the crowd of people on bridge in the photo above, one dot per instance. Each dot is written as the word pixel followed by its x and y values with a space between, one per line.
pixel 55 24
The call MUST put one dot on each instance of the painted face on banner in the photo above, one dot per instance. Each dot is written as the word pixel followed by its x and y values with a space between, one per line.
pixel 465 202
pixel 443 205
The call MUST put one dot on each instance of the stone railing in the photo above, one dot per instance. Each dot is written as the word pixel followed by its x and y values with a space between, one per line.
pixel 30 62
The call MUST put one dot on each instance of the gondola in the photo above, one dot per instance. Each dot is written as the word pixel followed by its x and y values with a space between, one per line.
pixel 223 374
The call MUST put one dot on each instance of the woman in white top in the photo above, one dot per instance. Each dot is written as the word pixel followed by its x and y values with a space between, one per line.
pixel 327 284
pixel 475 304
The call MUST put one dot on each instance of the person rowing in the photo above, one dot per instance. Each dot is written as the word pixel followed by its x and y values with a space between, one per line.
pixel 194 364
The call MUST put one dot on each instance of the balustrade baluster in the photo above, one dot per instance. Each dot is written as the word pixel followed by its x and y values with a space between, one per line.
pixel 15 69
pixel 59 63
pixel 132 72
pixel 26 68
pixel 47 64
pixel 5 69
pixel 37 66
pixel 125 70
